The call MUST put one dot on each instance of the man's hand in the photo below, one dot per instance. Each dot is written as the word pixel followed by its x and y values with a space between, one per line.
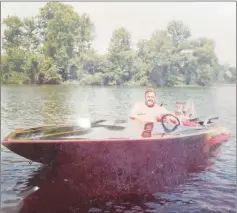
pixel 167 119
pixel 137 120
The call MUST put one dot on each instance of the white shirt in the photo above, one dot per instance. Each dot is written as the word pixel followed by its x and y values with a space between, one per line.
pixel 142 112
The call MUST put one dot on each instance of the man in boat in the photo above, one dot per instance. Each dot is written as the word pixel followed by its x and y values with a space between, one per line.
pixel 149 110
pixel 150 114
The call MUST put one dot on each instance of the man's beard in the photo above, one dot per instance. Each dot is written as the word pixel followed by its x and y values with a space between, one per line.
pixel 150 103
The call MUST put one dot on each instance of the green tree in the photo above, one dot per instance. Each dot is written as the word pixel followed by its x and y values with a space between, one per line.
pixel 178 32
pixel 65 34
pixel 56 46
pixel 13 33
pixel 121 56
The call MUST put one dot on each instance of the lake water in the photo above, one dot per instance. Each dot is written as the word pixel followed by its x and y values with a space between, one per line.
pixel 210 190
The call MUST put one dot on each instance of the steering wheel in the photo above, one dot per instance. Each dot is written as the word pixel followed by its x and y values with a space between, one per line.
pixel 165 128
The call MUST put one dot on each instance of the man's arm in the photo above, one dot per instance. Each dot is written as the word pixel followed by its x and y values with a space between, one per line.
pixel 133 112
pixel 168 118
pixel 133 115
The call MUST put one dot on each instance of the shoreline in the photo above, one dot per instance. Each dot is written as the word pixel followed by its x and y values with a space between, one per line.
pixel 119 86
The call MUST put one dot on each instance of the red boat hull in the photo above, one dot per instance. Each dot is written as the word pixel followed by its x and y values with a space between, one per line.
pixel 130 167
pixel 65 151
pixel 97 170
pixel 115 167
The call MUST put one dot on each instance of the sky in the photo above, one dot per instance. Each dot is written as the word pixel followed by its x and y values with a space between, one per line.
pixel 214 20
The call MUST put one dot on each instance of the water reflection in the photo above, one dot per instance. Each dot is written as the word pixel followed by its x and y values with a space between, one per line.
pixel 55 189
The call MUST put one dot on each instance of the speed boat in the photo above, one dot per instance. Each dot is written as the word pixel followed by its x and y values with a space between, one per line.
pixel 103 142
pixel 117 157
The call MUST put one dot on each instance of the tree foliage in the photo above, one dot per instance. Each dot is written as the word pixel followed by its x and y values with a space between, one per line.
pixel 55 46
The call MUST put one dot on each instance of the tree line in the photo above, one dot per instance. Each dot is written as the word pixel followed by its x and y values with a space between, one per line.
pixel 55 46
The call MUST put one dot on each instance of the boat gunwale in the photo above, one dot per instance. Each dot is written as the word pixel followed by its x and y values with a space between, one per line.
pixel 166 137
pixel 6 140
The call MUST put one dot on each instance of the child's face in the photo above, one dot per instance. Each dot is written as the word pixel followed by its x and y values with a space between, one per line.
pixel 179 106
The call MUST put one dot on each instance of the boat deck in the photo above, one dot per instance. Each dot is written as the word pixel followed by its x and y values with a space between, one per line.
pixel 98 132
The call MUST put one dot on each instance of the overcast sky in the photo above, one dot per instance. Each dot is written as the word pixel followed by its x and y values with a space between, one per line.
pixel 215 20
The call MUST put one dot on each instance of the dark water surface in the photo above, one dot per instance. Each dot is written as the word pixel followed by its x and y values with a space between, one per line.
pixel 211 190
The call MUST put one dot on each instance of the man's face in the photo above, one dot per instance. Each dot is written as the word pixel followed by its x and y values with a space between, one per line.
pixel 150 99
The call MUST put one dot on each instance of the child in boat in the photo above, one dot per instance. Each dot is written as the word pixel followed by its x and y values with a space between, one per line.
pixel 184 111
